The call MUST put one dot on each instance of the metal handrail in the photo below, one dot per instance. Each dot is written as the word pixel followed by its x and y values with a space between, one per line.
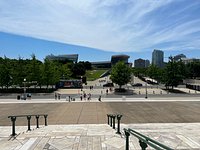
pixel 27 115
pixel 146 141
pixel 13 119
pixel 111 121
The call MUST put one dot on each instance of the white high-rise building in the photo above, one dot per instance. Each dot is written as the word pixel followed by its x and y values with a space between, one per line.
pixel 158 58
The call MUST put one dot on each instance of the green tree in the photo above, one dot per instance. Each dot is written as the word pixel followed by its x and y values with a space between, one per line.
pixel 5 77
pixel 65 71
pixel 174 73
pixel 155 73
pixel 19 70
pixel 50 74
pixel 34 73
pixel 120 74
pixel 152 71
pixel 87 64
pixel 193 69
pixel 139 72
pixel 78 69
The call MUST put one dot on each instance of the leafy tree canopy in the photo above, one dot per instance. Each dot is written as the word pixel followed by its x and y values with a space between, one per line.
pixel 120 74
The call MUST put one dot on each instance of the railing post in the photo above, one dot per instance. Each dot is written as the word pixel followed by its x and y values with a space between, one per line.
pixel 37 120
pixel 45 119
pixel 118 123
pixel 13 119
pixel 113 121
pixel 143 145
pixel 108 118
pixel 29 124
pixel 127 139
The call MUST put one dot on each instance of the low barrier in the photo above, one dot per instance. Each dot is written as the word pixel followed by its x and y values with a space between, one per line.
pixel 111 121
pixel 14 118
pixel 144 141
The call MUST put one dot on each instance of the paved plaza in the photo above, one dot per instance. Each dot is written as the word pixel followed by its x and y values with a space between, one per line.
pixel 173 120
pixel 83 124
pixel 87 112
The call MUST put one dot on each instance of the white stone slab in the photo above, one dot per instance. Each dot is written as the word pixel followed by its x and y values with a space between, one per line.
pixel 115 142
pixel 28 144
pixel 189 141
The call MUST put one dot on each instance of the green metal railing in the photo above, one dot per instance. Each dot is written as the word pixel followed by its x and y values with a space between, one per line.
pixel 144 141
pixel 13 120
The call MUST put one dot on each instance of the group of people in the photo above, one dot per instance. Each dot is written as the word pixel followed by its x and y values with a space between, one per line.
pixel 57 96
pixel 91 87
pixel 85 96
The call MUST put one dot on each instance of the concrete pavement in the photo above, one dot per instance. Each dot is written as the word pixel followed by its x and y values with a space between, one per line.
pixel 83 124
pixel 182 136
pixel 86 112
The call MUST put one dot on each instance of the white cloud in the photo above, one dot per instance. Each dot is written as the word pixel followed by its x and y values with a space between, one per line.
pixel 114 25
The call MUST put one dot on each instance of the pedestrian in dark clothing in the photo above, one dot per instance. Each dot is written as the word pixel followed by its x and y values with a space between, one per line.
pixel 100 98
pixel 81 97
pixel 84 95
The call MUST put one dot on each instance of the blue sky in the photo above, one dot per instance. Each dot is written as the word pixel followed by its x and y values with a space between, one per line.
pixel 97 29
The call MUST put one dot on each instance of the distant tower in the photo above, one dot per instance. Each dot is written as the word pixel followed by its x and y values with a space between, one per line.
pixel 158 58
pixel 139 63
pixel 147 63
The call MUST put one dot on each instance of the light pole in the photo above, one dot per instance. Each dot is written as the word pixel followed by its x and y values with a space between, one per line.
pixel 146 89
pixel 81 83
pixel 24 88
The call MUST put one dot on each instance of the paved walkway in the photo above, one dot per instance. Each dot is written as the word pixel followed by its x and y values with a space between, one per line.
pixel 98 137
pixel 85 112
pixel 81 125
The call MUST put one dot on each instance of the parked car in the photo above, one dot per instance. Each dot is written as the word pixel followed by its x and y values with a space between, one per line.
pixel 137 84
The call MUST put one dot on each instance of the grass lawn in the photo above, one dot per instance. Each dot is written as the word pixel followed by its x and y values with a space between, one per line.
pixel 94 74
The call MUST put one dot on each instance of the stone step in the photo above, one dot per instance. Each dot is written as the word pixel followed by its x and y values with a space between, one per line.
pixel 99 136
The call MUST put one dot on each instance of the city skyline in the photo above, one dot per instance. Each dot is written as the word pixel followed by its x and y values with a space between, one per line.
pixel 130 27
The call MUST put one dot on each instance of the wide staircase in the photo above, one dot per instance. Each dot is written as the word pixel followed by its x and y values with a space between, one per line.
pixel 110 136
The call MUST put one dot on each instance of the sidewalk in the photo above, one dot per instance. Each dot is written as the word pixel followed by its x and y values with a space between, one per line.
pixel 99 137
pixel 104 99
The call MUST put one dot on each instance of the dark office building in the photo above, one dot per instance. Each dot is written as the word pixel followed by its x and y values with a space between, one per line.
pixel 101 64
pixel 158 58
pixel 179 57
pixel 116 58
pixel 139 63
pixel 64 58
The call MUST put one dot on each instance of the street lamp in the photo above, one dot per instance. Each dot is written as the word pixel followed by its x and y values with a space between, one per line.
pixel 81 83
pixel 24 88
pixel 146 89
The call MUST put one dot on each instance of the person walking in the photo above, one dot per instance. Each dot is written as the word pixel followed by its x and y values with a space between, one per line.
pixel 81 97
pixel 84 96
pixel 99 98
pixel 55 96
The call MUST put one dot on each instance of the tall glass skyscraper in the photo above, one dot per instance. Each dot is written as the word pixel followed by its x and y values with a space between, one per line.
pixel 158 58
